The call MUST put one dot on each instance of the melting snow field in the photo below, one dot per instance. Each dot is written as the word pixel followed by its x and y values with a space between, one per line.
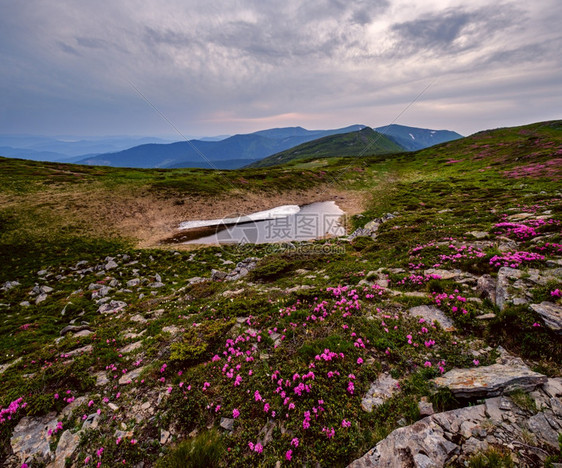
pixel 281 224
pixel 277 212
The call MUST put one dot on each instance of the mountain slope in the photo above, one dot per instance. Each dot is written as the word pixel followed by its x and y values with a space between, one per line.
pixel 162 340
pixel 414 138
pixel 198 153
pixel 365 141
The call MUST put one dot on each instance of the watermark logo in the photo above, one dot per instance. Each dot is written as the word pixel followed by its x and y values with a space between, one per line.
pixel 279 233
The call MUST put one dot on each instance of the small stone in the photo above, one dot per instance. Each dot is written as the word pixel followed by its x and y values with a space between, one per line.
pixel 91 422
pixel 478 234
pixel 40 298
pixel 132 283
pixel 425 407
pixel 101 378
pixel 164 436
pixel 111 265
pixel 227 424
pixel 489 316
pixel 77 351
pixel 113 406
pixel 138 318
pixel 73 329
pixel 432 314
pixel 112 307
pixel 382 389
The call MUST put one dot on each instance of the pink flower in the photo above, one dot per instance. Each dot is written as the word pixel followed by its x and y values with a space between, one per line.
pixel 295 442
pixel 289 455
pixel 427 364
pixel 235 413
pixel 359 361
pixel 476 362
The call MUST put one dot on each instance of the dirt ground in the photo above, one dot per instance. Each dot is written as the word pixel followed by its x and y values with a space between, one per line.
pixel 155 220
pixel 148 219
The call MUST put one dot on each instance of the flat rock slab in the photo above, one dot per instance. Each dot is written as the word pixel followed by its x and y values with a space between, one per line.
pixel 422 444
pixel 131 347
pixel 112 307
pixel 380 391
pixel 31 438
pixel 432 314
pixel 551 314
pixel 130 376
pixel 78 351
pixel 66 447
pixel 444 274
pixel 489 381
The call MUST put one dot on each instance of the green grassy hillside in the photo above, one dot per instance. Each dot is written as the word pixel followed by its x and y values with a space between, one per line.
pixel 360 143
pixel 284 356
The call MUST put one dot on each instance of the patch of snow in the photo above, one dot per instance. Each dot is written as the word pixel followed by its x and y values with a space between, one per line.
pixel 413 138
pixel 277 212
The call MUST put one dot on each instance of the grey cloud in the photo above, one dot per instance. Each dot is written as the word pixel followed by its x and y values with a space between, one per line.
pixel 438 31
pixel 68 49
pixel 91 42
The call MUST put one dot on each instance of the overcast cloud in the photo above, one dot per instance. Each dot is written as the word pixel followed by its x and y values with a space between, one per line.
pixel 227 66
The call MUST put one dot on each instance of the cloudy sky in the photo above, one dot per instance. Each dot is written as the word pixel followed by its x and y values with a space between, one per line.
pixel 234 66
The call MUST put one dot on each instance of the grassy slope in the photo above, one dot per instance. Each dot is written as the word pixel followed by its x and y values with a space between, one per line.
pixel 438 193
pixel 362 142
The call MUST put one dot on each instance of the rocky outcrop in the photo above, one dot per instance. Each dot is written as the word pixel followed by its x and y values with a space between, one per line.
pixel 31 440
pixel 112 307
pixel 489 381
pixel 452 437
pixel 242 269
pixel 370 229
pixel 68 443
pixel 551 314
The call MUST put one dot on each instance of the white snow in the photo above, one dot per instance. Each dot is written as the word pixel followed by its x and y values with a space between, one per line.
pixel 413 138
pixel 277 212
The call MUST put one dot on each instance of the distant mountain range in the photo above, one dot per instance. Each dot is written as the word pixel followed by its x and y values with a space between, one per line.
pixel 214 154
pixel 362 142
pixel 413 138
pixel 220 152
pixel 66 149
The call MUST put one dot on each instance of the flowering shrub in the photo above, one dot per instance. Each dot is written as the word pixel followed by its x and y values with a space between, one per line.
pixel 514 259
pixel 6 414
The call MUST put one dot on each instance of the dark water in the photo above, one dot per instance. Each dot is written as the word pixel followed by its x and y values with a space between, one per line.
pixel 283 224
